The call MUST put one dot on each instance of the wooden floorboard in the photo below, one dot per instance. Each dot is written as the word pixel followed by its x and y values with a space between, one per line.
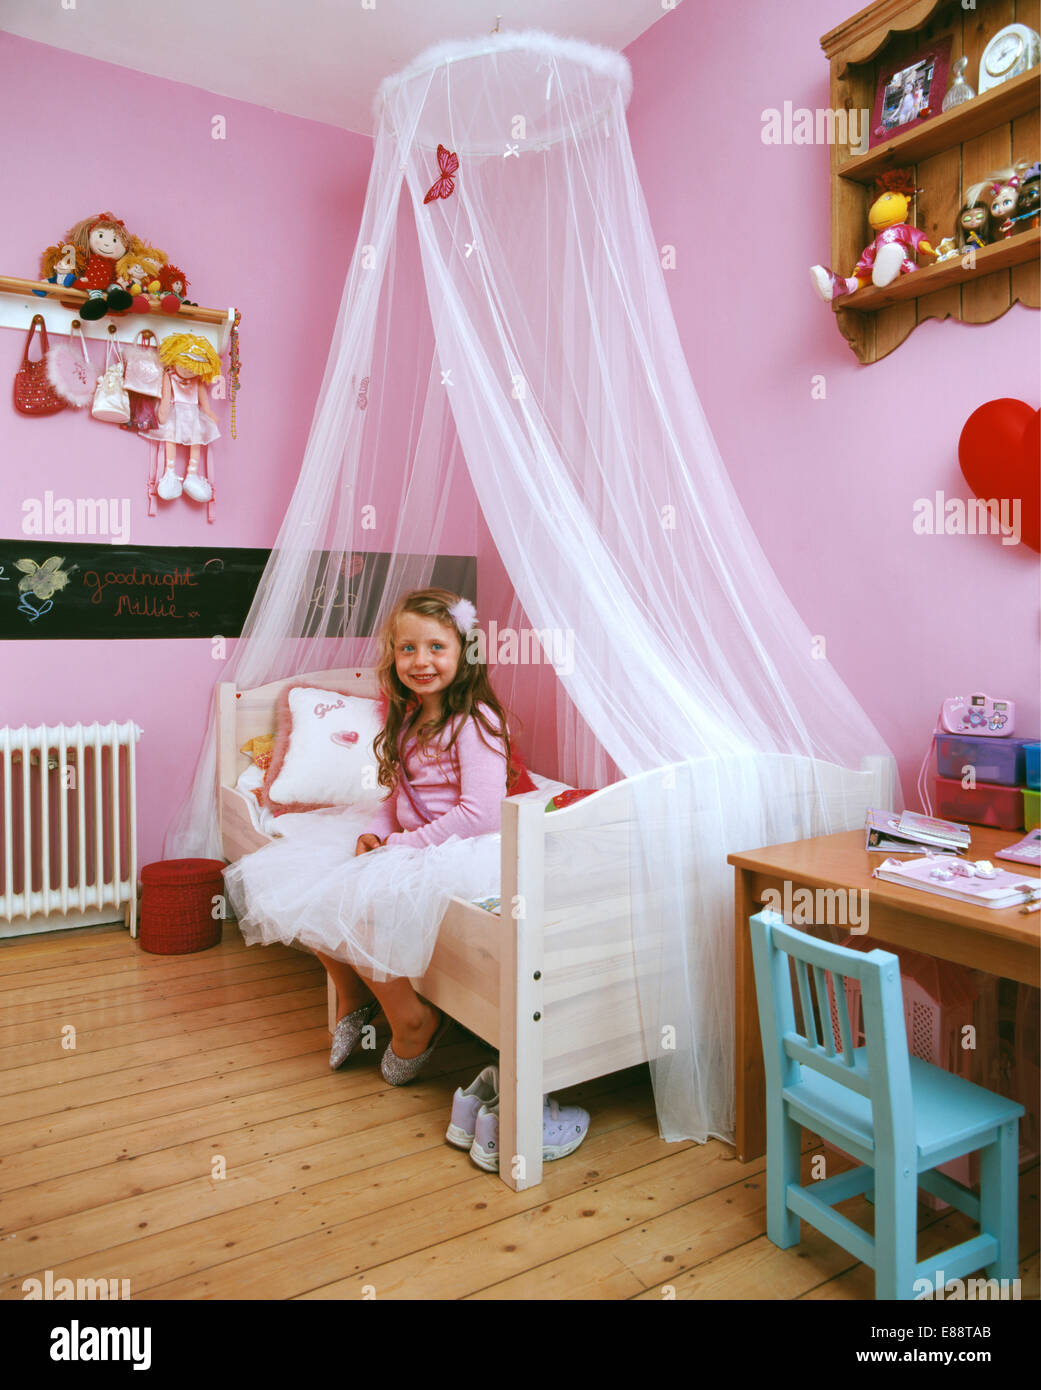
pixel 195 1143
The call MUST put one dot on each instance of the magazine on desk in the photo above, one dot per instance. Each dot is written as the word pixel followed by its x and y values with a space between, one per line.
pixel 893 832
pixel 980 883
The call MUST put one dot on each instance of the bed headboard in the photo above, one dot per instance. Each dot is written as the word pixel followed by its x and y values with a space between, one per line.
pixel 243 714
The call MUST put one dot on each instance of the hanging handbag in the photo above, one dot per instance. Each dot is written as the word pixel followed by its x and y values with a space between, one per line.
pixel 111 402
pixel 144 371
pixel 72 374
pixel 33 392
pixel 143 415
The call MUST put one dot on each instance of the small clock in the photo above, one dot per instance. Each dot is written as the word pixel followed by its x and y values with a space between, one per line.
pixel 1010 52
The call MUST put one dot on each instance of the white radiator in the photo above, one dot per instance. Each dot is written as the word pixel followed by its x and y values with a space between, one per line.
pixel 68 817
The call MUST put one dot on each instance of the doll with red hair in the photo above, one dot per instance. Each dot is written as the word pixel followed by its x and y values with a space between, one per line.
pixel 102 241
pixel 174 284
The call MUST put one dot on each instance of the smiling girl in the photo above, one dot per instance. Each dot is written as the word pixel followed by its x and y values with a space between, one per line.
pixel 373 919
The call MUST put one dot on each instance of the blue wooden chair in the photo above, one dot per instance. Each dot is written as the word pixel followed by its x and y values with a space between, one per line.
pixel 899 1116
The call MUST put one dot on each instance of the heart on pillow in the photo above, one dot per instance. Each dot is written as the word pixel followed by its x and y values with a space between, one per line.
pixel 346 737
pixel 998 453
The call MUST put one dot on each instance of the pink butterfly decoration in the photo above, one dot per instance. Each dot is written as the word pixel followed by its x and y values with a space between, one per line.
pixel 448 164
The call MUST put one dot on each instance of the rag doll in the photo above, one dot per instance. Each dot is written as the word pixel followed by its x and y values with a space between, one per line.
pixel 174 289
pixel 184 414
pixel 103 241
pixel 139 273
pixel 60 265
pixel 892 251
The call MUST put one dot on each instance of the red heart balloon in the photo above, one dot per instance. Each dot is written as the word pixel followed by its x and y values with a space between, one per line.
pixel 998 453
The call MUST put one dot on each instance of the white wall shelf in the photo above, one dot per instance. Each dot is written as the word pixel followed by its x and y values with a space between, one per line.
pixel 18 304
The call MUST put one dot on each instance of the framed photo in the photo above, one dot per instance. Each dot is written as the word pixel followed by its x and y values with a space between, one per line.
pixel 911 93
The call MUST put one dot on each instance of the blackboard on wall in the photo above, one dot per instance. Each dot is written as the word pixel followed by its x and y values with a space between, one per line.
pixel 57 591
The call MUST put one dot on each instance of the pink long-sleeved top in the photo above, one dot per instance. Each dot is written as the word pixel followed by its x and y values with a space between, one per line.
pixel 464 793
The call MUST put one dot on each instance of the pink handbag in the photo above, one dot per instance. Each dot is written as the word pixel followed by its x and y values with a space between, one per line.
pixel 71 373
pixel 144 371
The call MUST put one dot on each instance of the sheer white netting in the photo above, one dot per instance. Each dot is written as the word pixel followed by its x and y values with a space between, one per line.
pixel 519 332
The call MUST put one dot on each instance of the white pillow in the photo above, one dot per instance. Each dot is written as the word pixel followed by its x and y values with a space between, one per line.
pixel 323 752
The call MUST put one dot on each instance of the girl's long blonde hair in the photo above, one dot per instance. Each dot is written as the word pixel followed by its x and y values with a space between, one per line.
pixel 462 700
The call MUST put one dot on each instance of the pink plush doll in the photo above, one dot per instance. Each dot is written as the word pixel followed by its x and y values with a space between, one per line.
pixel 103 241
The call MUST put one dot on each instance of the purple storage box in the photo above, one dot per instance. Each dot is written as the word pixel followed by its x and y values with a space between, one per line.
pixel 1031 752
pixel 999 761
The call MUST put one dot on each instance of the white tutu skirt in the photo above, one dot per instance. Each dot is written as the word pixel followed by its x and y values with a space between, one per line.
pixel 380 912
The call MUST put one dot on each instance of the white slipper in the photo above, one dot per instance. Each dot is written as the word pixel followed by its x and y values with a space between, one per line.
pixel 197 487
pixel 169 486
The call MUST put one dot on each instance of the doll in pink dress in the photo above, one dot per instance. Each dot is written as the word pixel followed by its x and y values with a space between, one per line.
pixel 184 412
pixel 889 255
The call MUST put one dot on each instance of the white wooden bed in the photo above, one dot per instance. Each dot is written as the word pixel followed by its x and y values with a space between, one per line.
pixel 551 986
pixel 555 992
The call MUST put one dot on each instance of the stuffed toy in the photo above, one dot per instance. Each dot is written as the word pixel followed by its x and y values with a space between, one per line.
pixel 185 417
pixel 60 265
pixel 892 251
pixel 103 241
pixel 139 271
pixel 175 289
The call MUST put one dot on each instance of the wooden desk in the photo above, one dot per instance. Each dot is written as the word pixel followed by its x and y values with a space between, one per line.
pixel 999 942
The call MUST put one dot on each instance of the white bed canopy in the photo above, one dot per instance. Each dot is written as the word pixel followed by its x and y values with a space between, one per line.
pixel 514 343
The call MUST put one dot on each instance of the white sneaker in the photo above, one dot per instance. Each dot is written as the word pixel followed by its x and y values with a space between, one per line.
pixel 197 487
pixel 466 1104
pixel 563 1129
pixel 169 486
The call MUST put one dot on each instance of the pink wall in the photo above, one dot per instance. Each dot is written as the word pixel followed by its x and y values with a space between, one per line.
pixel 267 219
pixel 828 485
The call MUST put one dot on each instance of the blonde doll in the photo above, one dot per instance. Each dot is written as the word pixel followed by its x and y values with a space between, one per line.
pixel 184 412
pixel 138 272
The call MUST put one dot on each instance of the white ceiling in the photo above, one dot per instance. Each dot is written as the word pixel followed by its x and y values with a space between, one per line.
pixel 322 59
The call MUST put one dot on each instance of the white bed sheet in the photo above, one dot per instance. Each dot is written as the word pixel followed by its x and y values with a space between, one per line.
pixel 294 822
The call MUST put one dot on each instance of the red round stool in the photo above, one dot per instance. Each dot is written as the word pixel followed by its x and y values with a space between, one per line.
pixel 177 913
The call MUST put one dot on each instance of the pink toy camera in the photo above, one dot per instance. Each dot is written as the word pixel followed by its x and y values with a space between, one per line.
pixel 979 715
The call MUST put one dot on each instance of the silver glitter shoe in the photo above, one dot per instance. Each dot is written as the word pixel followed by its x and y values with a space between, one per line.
pixel 399 1071
pixel 347 1033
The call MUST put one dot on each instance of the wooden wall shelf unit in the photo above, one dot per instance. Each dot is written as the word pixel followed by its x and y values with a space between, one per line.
pixel 948 153
pixel 18 304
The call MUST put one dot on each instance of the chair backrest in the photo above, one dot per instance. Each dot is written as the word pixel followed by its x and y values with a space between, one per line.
pixel 880 1070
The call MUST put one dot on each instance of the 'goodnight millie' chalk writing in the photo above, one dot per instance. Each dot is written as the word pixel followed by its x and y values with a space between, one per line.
pixel 171 581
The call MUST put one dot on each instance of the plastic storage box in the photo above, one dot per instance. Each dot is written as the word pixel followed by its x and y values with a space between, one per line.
pixel 1032 765
pixel 984 804
pixel 996 760
pixel 1031 811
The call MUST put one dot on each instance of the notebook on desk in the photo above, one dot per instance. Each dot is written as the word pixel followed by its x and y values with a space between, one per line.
pixel 958 880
